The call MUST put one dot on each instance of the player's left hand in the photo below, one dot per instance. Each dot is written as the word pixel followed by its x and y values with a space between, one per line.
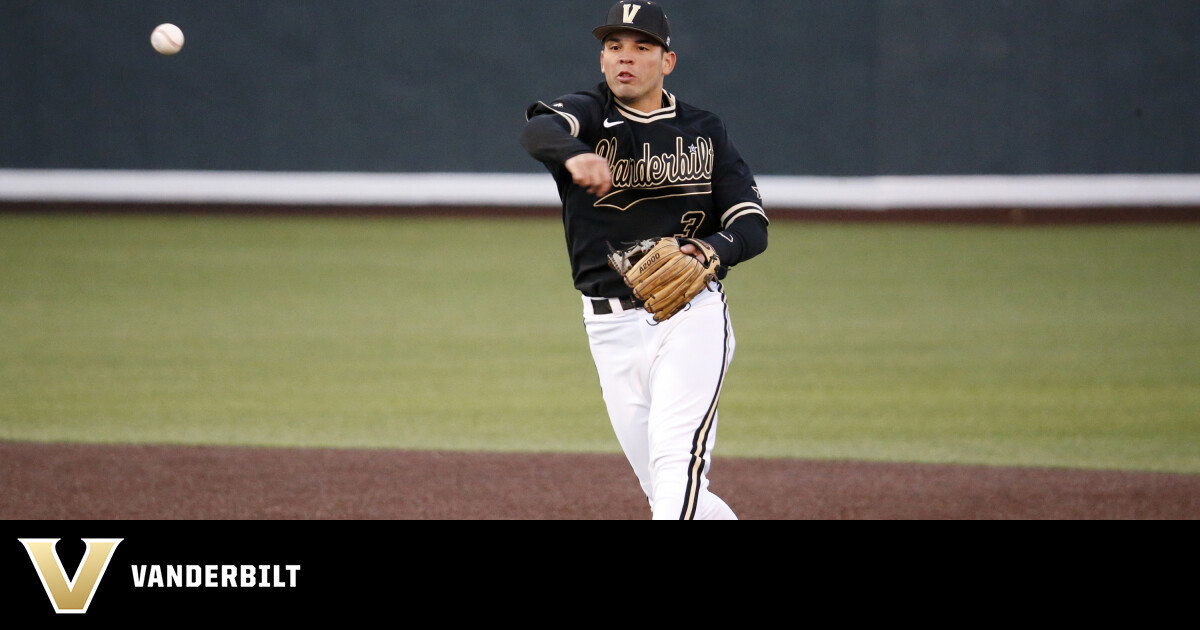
pixel 694 252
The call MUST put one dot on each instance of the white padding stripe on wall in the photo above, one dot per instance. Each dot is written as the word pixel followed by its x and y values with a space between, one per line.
pixel 500 189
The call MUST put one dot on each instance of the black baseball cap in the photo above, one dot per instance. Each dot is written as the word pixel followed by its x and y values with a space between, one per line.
pixel 637 15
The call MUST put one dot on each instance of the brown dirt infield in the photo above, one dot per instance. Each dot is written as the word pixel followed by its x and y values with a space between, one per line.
pixel 122 482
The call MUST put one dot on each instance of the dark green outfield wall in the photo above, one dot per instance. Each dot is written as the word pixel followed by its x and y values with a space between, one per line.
pixel 809 87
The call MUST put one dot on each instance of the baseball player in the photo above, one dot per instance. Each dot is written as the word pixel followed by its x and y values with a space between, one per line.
pixel 637 167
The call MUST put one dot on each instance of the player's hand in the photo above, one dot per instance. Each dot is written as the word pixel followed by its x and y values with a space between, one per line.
pixel 590 172
pixel 694 252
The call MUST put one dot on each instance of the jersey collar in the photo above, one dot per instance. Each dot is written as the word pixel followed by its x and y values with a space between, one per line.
pixel 667 111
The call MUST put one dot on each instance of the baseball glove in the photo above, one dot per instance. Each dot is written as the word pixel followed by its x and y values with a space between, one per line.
pixel 664 277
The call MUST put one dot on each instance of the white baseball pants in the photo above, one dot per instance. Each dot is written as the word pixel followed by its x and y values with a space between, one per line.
pixel 661 383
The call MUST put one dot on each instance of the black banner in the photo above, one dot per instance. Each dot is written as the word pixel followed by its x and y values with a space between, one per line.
pixel 237 571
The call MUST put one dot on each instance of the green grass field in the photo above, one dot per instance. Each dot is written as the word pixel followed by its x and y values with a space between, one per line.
pixel 1063 346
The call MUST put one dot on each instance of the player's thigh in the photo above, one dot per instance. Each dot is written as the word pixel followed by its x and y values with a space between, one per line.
pixel 695 354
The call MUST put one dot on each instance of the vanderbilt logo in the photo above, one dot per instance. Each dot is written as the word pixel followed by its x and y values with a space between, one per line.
pixel 631 11
pixel 648 170
pixel 70 595
pixel 686 171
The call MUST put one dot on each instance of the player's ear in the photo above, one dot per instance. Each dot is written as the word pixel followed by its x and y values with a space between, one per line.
pixel 669 60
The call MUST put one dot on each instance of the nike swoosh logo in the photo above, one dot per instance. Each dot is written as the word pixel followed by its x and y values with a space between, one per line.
pixel 726 237
pixel 610 125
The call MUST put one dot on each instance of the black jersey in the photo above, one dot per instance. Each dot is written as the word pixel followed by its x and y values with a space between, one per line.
pixel 675 173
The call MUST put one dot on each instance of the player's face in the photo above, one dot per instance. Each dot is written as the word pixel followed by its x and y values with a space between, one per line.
pixel 634 66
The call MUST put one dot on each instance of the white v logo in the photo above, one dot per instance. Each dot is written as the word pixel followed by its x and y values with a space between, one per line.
pixel 631 11
pixel 72 595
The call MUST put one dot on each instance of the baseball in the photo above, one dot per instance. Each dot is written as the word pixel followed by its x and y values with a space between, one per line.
pixel 167 39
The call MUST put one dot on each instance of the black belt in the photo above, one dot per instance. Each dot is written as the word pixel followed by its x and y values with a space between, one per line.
pixel 601 306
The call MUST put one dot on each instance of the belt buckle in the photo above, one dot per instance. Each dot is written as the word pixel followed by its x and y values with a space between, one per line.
pixel 608 306
pixel 602 306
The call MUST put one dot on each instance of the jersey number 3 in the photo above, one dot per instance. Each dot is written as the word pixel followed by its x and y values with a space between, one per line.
pixel 691 224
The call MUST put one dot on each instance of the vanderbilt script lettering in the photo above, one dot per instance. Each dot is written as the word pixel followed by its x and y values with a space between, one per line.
pixel 693 163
